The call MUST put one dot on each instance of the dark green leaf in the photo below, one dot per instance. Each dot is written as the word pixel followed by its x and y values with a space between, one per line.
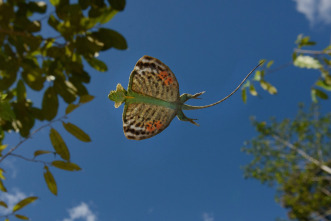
pixel 66 165
pixel 24 203
pixel 40 152
pixel 66 90
pixel 6 111
pixel 110 38
pixel 50 181
pixel 77 132
pixel 39 7
pixel 321 94
pixel 21 91
pixel 117 4
pixel 71 107
pixel 3 204
pixel 97 64
pixel 50 104
pixel 85 98
pixel 21 217
pixel 59 145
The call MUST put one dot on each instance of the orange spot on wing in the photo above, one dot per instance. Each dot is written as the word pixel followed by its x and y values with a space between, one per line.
pixel 168 81
pixel 163 75
pixel 166 78
pixel 153 125
pixel 158 124
pixel 149 127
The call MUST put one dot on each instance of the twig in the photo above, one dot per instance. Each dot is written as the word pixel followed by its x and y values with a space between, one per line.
pixel 28 159
pixel 304 154
pixel 311 52
pixel 29 136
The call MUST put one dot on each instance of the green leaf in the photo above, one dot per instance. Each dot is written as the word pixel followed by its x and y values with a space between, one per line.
pixel 85 98
pixel 77 132
pixel 2 187
pixel 3 204
pixel 323 85
pixel 24 203
pixel 6 219
pixel 40 152
pixel 66 165
pixel 313 95
pixel 50 181
pixel 66 90
pixel 97 64
pixel 320 94
pixel 59 145
pixel 307 62
pixel 21 217
pixel 71 107
pixel 55 2
pixel 257 76
pixel 50 104
pixel 117 4
pixel 244 95
pixel 270 63
pixel 6 111
pixel 108 14
pixel 2 177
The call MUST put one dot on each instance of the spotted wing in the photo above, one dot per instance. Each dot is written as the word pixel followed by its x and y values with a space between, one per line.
pixel 141 121
pixel 153 78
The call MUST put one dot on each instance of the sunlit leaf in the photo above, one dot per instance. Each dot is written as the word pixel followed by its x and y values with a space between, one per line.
pixel 77 132
pixel 323 85
pixel 269 64
pixel 309 62
pixel 71 107
pixel 55 2
pixel 21 217
pixel 24 203
pixel 40 152
pixel 2 187
pixel 2 177
pixel 50 181
pixel 66 165
pixel 252 90
pixel 86 98
pixel 59 145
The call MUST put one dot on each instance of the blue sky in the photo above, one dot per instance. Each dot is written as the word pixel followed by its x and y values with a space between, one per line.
pixel 186 173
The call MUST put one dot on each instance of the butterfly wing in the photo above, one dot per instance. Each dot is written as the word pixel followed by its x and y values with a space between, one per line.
pixel 141 121
pixel 153 78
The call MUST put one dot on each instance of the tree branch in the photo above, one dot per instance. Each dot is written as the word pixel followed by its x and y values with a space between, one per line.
pixel 29 136
pixel 304 154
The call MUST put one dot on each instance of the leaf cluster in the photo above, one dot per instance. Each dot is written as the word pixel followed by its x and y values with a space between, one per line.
pixel 294 155
pixel 44 48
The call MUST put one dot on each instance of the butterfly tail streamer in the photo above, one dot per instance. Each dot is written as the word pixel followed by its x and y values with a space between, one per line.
pixel 189 107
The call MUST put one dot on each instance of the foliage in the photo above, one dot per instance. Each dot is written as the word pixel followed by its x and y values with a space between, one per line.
pixel 316 60
pixel 295 156
pixel 46 53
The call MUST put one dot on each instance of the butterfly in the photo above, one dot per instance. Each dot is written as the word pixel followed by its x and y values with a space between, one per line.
pixel 152 99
